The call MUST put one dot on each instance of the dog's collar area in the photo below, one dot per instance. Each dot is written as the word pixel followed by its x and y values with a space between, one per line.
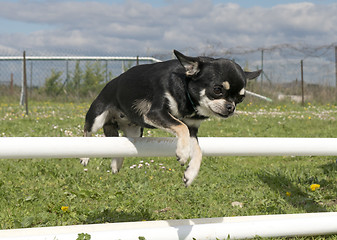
pixel 190 99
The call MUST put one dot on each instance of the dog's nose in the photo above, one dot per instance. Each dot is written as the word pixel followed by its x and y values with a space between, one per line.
pixel 230 107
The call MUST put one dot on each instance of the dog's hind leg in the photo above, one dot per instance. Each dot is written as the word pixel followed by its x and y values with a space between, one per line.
pixel 111 130
pixel 84 161
pixel 132 131
pixel 129 131
pixel 92 125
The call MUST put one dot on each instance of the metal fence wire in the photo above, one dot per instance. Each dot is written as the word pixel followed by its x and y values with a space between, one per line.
pixel 281 66
pixel 40 68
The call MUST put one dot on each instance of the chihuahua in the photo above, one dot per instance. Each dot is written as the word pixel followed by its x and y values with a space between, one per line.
pixel 175 96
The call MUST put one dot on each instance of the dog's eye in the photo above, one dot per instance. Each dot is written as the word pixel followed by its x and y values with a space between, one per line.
pixel 239 99
pixel 217 90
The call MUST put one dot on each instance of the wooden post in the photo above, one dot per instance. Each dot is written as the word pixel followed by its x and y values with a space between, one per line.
pixel 25 81
pixel 106 71
pixel 123 67
pixel 262 67
pixel 336 68
pixel 11 90
pixel 31 78
pixel 302 82
pixel 336 64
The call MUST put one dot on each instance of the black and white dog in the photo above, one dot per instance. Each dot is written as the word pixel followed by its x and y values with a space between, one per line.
pixel 175 96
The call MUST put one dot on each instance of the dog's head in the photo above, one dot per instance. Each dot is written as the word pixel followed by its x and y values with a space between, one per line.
pixel 216 86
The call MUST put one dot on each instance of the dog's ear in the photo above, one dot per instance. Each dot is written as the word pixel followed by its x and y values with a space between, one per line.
pixel 252 75
pixel 191 64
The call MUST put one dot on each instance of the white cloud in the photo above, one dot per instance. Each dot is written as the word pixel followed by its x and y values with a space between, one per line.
pixel 138 27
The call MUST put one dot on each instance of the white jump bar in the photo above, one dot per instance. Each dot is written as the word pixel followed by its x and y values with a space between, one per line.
pixel 286 225
pixel 75 147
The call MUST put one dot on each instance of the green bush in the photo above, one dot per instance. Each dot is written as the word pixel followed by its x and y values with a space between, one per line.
pixel 80 83
pixel 53 85
pixel 93 79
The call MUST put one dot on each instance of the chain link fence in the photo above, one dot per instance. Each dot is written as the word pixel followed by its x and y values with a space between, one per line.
pixel 281 66
pixel 40 68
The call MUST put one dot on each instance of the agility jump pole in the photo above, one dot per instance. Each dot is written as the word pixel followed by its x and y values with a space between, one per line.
pixel 287 225
pixel 75 147
pixel 258 96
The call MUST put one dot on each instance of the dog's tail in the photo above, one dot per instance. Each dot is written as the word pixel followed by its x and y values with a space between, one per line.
pixel 87 128
pixel 95 118
pixel 89 121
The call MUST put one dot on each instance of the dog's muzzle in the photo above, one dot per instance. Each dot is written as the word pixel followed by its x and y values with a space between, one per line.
pixel 222 108
pixel 230 108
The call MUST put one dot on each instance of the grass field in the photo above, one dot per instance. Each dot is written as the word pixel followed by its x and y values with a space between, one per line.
pixel 50 192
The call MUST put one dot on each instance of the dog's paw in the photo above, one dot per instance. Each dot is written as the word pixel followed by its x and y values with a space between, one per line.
pixel 116 164
pixel 189 176
pixel 182 160
pixel 182 154
pixel 84 161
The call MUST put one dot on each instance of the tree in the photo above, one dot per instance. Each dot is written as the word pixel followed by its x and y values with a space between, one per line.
pixel 74 83
pixel 53 84
pixel 93 79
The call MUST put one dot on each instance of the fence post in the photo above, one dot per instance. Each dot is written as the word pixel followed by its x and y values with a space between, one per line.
pixel 25 81
pixel 336 68
pixel 106 71
pixel 12 85
pixel 31 78
pixel 302 82
pixel 22 95
pixel 262 51
pixel 67 71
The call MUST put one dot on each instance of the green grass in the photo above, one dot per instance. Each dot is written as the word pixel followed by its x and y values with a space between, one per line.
pixel 33 191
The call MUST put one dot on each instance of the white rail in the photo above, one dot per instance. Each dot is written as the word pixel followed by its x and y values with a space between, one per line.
pixel 71 147
pixel 258 96
pixel 287 225
pixel 213 228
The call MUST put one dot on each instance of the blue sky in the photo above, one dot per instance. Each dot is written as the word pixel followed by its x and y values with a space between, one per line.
pixel 148 25
pixel 243 3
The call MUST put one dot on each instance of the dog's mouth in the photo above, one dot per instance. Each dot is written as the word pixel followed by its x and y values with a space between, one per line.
pixel 227 115
pixel 224 113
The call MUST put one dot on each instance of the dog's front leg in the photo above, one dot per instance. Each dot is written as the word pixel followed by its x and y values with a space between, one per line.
pixel 169 123
pixel 183 143
pixel 196 157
